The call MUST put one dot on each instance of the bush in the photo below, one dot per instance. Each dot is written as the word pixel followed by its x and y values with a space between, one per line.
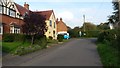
pixel 41 40
pixel 50 37
pixel 8 38
pixel 94 33
pixel 60 38
pixel 108 35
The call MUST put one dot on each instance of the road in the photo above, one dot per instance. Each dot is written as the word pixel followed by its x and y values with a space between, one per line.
pixel 77 52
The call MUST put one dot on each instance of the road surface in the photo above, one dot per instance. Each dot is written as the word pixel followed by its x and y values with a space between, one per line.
pixel 77 52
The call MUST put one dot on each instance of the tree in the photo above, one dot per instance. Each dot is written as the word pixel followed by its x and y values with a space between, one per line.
pixel 34 25
pixel 103 26
pixel 74 32
pixel 89 26
pixel 114 19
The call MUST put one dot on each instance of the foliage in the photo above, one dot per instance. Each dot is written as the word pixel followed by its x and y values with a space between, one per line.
pixel 34 24
pixel 41 41
pixel 115 17
pixel 74 33
pixel 110 49
pixel 8 37
pixel 91 33
pixel 60 38
pixel 109 56
pixel 9 46
pixel 15 46
pixel 25 50
pixel 87 26
pixel 103 26
pixel 108 35
pixel 50 37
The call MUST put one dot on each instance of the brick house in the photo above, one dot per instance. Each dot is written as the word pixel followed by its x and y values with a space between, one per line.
pixel 61 26
pixel 11 19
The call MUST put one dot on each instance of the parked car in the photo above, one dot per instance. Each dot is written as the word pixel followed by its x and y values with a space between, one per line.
pixel 65 35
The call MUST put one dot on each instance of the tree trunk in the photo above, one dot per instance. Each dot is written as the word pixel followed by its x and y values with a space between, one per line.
pixel 32 41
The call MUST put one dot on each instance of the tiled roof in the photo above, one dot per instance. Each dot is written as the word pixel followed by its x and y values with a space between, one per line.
pixel 21 9
pixel 47 13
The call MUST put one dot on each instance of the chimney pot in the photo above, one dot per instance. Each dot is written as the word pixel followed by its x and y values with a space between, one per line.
pixel 26 5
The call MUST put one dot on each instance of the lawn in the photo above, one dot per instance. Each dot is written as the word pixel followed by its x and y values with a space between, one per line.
pixel 20 48
pixel 11 46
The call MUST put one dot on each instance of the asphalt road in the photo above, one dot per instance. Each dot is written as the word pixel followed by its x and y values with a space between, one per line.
pixel 77 52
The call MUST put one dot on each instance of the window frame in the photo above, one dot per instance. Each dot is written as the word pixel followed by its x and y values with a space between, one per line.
pixel 1 11
pixel 10 10
pixel 51 23
pixel 1 29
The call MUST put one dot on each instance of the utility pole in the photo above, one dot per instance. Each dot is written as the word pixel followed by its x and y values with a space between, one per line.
pixel 84 24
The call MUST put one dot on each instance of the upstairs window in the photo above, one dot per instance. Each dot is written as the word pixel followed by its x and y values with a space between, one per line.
pixel 0 9
pixel 50 23
pixel 12 13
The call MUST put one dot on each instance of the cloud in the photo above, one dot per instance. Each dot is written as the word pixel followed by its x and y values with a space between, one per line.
pixel 67 15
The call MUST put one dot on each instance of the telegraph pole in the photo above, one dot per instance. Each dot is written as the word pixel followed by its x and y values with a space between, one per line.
pixel 84 24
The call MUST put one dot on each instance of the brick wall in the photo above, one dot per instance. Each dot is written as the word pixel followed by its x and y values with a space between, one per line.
pixel 7 20
pixel 61 26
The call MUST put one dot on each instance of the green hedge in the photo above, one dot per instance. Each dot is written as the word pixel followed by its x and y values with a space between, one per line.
pixel 13 37
pixel 60 38
pixel 111 42
pixel 94 33
pixel 108 35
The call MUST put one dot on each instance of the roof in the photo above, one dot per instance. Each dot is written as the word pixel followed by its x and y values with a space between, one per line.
pixel 21 9
pixel 47 13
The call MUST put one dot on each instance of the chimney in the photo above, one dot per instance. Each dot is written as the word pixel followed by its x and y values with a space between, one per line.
pixel 60 19
pixel 26 6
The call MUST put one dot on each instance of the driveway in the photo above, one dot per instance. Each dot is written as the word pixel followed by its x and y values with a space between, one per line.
pixel 77 52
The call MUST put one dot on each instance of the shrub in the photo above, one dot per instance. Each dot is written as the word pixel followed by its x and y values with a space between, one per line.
pixel 50 37
pixel 41 41
pixel 108 35
pixel 8 38
pixel 19 37
pixel 94 33
pixel 60 38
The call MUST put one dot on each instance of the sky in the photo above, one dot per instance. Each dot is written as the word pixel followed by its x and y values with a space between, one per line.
pixel 72 11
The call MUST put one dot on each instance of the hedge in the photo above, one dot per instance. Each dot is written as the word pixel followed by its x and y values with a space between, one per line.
pixel 60 38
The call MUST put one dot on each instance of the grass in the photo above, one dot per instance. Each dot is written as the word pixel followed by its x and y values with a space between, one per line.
pixel 11 46
pixel 109 56
pixel 20 48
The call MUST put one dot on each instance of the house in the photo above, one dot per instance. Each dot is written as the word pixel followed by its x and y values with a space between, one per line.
pixel 11 19
pixel 50 22
pixel 61 26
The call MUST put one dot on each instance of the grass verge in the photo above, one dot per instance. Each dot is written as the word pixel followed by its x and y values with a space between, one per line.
pixel 109 56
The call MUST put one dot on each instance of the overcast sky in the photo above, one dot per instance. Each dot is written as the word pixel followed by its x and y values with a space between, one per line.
pixel 72 11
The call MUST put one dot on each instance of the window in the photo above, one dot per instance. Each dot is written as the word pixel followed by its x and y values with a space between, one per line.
pixel 7 11
pixel 54 25
pixel 50 23
pixel 15 30
pixel 53 33
pixel 12 13
pixel 1 29
pixel 0 9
